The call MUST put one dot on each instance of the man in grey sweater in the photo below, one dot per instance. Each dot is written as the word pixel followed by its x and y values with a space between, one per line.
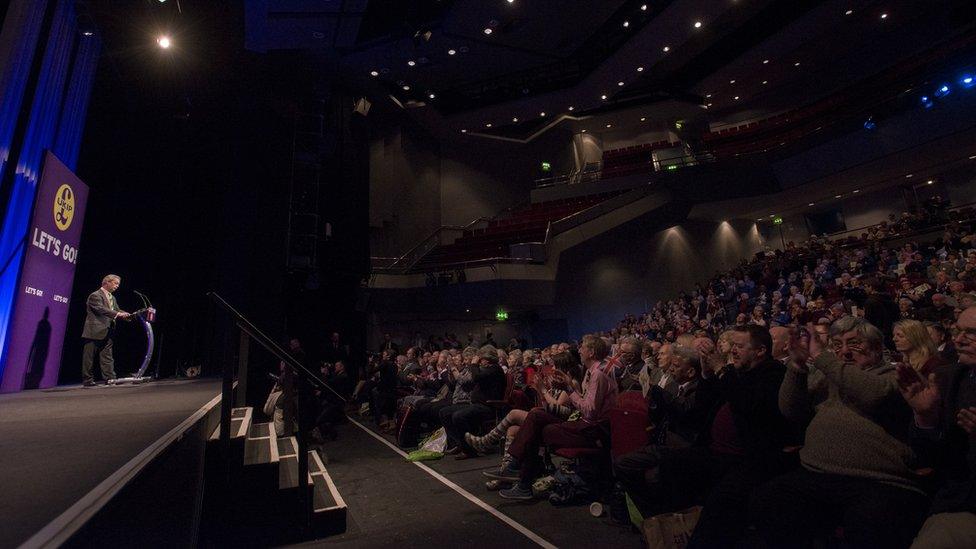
pixel 857 465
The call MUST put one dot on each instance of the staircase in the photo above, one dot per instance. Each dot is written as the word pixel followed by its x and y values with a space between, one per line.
pixel 260 504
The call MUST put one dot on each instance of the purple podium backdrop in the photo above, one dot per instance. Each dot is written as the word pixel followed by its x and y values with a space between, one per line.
pixel 40 315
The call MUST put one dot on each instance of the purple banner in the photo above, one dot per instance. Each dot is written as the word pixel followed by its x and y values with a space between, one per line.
pixel 41 306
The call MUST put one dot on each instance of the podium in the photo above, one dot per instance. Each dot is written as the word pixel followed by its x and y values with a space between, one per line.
pixel 146 317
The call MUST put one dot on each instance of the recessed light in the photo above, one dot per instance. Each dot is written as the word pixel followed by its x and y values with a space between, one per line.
pixel 765 82
pixel 884 15
pixel 810 204
pixel 643 118
pixel 772 215
pixel 464 131
pixel 698 24
pixel 374 73
pixel 515 120
pixel 765 61
pixel 621 83
pixel 582 131
pixel 929 182
pixel 797 64
pixel 406 88
pixel 411 63
pixel 708 96
pixel 848 12
pixel 736 98
pixel 451 52
pixel 626 24
pixel 609 125
pixel 732 81
pixel 973 157
pixel 88 33
pixel 488 125
pixel 855 191
pixel 431 96
pixel 640 69
pixel 543 113
pixel 511 1
pixel 708 105
pixel 487 30
pixel 909 176
pixel 643 7
pixel 838 195
pixel 571 108
pixel 666 49
pixel 603 97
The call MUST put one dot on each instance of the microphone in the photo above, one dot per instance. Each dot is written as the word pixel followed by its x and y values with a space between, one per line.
pixel 145 300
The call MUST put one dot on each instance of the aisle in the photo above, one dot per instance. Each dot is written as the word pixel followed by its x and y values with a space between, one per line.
pixel 392 501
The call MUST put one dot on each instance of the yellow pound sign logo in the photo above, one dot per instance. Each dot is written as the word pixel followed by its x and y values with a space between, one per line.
pixel 64 207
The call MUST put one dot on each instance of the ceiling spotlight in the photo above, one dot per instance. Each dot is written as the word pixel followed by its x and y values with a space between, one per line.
pixel 698 24
pixel 621 83
pixel 411 63
pixel 582 131
pixel 511 1
pixel 643 7
pixel 838 195
pixel 810 204
pixel 571 108
pixel 431 96
pixel 487 30
pixel 797 64
pixel 765 82
pixel 973 157
pixel 603 97
pixel 626 24
pixel 640 69
pixel 543 113
pixel 609 125
pixel 514 119
pixel 884 15
pixel 765 61
pixel 464 131
pixel 708 96
pixel 848 12
pixel 708 105
pixel 909 176
pixel 666 49
pixel 406 88
pixel 164 42
pixel 374 73
pixel 731 81
pixel 929 182
pixel 488 125
pixel 87 33
pixel 736 98
pixel 643 118
pixel 855 191
pixel 451 51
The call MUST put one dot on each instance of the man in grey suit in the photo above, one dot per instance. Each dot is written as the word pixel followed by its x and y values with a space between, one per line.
pixel 103 311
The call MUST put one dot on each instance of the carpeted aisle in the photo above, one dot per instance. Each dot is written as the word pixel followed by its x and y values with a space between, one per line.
pixel 57 444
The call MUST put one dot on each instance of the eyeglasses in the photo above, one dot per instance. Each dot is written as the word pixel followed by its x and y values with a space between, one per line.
pixel 969 333
pixel 853 345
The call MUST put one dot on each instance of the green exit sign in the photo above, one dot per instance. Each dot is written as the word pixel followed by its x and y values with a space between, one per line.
pixel 501 315
pixel 546 167
pixel 777 221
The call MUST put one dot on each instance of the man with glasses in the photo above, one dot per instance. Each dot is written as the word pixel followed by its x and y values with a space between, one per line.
pixel 630 365
pixel 944 409
pixel 857 464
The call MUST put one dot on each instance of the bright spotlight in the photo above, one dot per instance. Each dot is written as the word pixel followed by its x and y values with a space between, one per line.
pixel 966 81
pixel 926 102
pixel 164 42
pixel 942 91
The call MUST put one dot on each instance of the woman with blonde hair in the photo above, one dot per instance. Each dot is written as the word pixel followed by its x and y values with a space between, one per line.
pixel 917 349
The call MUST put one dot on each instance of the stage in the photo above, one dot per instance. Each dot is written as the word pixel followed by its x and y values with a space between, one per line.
pixel 60 444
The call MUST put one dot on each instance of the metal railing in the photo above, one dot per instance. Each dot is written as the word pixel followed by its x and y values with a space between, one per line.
pixel 588 174
pixel 305 382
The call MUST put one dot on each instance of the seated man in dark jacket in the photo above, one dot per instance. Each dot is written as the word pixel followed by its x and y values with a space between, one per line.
pixel 944 428
pixel 677 419
pixel 487 383
pixel 741 445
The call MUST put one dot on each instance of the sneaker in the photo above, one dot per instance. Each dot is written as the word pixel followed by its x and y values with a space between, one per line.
pixel 89 384
pixel 517 492
pixel 509 472
pixel 110 381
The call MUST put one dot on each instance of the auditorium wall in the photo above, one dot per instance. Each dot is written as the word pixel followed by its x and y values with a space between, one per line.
pixel 628 269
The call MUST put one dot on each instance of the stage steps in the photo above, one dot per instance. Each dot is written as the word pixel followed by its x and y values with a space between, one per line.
pixel 261 506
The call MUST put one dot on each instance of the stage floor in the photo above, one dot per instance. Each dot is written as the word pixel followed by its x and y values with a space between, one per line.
pixel 57 444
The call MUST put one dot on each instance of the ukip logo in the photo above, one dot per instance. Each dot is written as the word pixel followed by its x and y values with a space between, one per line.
pixel 64 207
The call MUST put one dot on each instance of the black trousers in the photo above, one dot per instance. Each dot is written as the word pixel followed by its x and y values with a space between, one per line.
pixel 792 509
pixel 102 348
pixel 631 471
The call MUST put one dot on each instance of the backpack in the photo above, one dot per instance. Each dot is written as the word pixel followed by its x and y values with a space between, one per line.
pixel 569 488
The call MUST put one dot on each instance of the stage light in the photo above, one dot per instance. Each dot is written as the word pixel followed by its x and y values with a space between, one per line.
pixel 666 49
pixel 942 91
pixel 164 42
pixel 374 73
pixel 487 30
pixel 451 52
pixel 411 63
pixel 698 24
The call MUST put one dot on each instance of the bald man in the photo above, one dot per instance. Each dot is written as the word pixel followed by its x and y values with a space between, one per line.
pixel 781 343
